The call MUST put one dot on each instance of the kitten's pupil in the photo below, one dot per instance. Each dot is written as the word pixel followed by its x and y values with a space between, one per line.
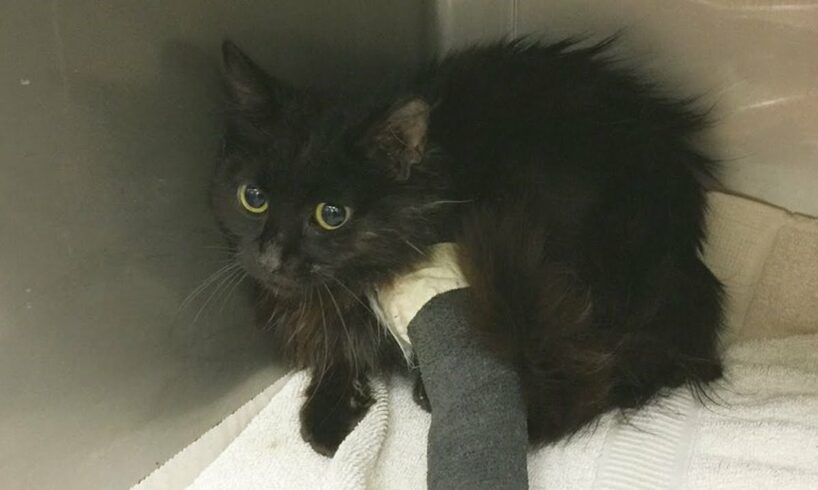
pixel 252 199
pixel 333 215
pixel 254 196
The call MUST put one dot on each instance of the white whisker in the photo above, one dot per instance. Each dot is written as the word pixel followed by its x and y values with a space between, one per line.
pixel 300 322
pixel 232 289
pixel 416 249
pixel 229 277
pixel 354 296
pixel 326 340
pixel 346 329
pixel 440 203
pixel 219 274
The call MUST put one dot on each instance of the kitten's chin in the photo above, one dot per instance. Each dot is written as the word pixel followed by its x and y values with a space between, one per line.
pixel 283 288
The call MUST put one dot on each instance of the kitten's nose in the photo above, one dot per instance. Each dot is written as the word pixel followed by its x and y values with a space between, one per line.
pixel 270 257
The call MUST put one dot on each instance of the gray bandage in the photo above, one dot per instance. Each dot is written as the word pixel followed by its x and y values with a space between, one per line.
pixel 478 437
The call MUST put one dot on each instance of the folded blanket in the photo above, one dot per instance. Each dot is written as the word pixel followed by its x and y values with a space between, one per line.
pixel 761 433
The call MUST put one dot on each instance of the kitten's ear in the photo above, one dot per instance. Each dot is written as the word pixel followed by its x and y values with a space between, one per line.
pixel 248 86
pixel 400 136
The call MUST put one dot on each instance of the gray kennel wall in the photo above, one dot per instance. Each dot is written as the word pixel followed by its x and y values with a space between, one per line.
pixel 753 60
pixel 108 135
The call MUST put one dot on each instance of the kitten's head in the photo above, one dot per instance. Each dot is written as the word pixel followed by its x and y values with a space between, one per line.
pixel 313 193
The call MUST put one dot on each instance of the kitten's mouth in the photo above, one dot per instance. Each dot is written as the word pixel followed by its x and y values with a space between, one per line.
pixel 287 287
pixel 284 286
pixel 279 283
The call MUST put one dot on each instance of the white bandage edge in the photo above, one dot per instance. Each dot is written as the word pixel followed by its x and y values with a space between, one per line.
pixel 398 303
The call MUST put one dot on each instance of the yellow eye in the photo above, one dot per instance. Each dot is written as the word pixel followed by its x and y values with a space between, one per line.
pixel 331 216
pixel 252 198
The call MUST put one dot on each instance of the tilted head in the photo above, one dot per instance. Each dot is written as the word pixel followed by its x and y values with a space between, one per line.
pixel 312 193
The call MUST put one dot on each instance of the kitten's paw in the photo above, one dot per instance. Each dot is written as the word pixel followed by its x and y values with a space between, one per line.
pixel 326 420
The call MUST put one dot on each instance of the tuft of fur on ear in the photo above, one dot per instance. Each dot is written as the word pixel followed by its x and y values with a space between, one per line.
pixel 248 85
pixel 400 137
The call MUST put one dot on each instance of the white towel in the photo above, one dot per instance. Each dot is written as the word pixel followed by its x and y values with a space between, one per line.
pixel 762 435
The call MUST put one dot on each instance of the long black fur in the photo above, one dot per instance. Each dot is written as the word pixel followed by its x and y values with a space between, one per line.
pixel 572 187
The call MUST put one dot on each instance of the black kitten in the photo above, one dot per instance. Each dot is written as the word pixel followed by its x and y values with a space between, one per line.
pixel 572 188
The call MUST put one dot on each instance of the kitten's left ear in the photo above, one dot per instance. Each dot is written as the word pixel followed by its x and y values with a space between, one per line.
pixel 248 85
pixel 400 137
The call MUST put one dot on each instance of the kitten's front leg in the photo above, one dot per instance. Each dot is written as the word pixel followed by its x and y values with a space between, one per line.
pixel 335 403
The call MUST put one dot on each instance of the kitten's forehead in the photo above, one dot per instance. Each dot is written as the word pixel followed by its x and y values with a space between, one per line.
pixel 335 128
pixel 320 162
pixel 331 140
pixel 317 153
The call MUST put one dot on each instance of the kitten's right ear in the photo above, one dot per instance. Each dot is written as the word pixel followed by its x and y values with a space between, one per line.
pixel 399 138
pixel 248 86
